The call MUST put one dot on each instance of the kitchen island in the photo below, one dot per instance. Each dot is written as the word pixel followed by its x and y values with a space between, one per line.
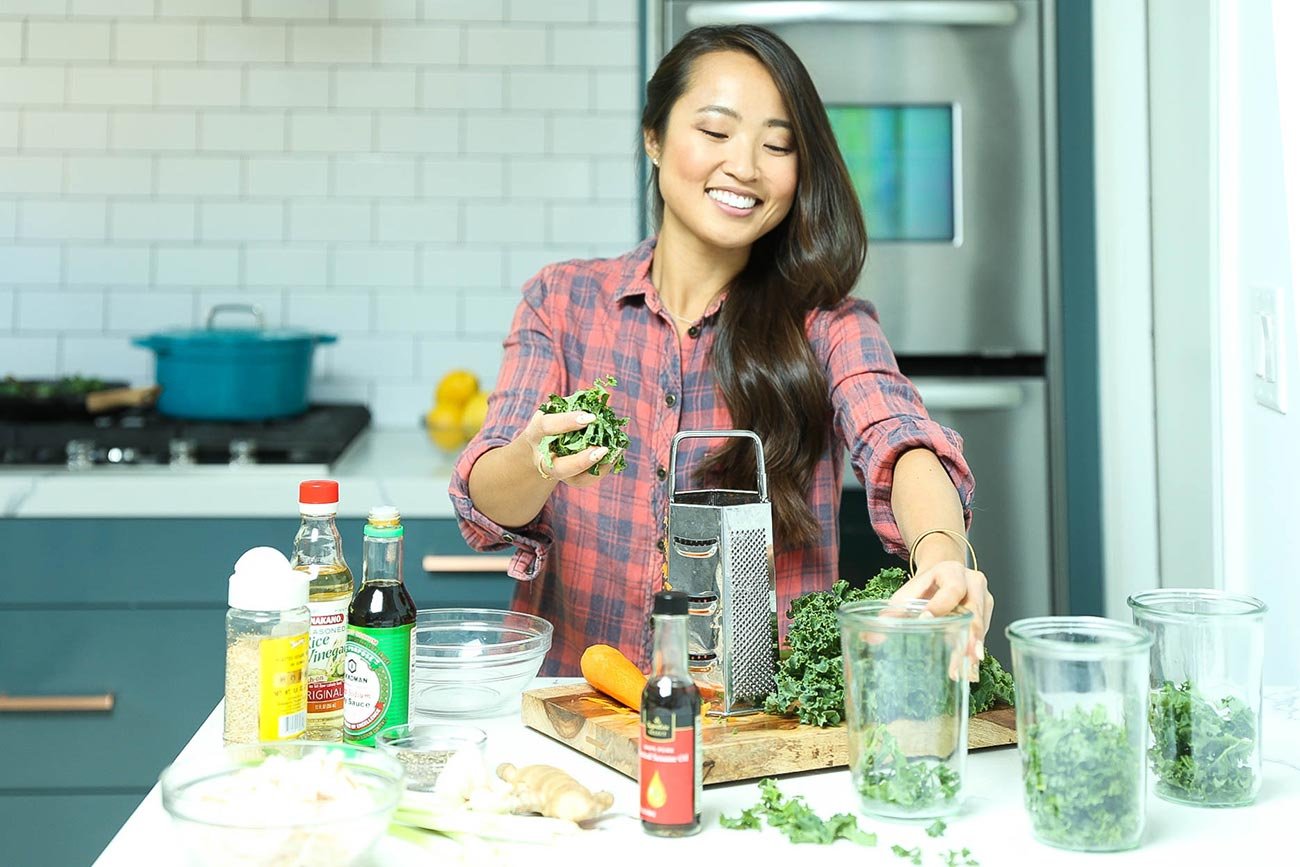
pixel 993 824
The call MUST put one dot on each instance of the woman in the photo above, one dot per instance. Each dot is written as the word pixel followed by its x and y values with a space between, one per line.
pixel 735 315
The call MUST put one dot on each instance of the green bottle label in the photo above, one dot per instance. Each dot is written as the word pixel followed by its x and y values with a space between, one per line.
pixel 377 677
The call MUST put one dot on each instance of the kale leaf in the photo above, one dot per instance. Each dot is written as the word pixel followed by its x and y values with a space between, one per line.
pixel 794 818
pixel 1202 753
pixel 606 430
pixel 1083 785
pixel 885 774
pixel 936 829
pixel 913 855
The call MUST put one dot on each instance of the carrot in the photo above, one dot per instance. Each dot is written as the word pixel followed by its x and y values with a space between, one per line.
pixel 609 671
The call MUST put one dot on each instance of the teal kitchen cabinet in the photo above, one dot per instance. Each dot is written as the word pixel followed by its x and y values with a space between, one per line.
pixel 131 611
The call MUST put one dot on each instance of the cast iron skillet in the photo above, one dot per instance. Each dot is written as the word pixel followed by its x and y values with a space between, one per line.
pixel 66 399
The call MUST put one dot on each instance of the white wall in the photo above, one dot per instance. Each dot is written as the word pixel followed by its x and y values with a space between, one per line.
pixel 387 170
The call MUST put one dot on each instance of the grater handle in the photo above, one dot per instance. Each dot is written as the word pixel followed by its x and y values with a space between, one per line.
pixel 717 434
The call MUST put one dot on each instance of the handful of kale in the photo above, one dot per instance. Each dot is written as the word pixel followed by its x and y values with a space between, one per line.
pixel 1203 753
pixel 606 430
pixel 810 676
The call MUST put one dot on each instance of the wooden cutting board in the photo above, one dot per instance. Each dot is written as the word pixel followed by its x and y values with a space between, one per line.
pixel 740 748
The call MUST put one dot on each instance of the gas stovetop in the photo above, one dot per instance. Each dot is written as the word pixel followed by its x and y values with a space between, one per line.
pixel 145 438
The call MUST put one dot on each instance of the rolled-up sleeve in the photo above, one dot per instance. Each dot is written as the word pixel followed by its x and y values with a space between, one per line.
pixel 530 371
pixel 879 414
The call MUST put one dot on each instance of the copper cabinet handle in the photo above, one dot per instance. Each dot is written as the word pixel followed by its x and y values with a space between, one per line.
pixel 56 703
pixel 457 563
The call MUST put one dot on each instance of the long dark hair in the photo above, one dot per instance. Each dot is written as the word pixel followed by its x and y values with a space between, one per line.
pixel 762 361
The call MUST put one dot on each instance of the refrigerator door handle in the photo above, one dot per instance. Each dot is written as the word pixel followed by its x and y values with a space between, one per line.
pixel 949 395
pixel 969 13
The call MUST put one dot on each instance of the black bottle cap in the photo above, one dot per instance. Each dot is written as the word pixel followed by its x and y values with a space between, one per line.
pixel 672 602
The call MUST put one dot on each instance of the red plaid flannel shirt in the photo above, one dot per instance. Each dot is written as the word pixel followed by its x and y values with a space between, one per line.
pixel 591 561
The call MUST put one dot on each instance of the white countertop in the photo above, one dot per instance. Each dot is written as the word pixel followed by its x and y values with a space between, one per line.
pixel 993 824
pixel 398 467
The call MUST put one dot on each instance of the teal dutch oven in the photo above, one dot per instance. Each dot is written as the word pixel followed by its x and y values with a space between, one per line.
pixel 233 374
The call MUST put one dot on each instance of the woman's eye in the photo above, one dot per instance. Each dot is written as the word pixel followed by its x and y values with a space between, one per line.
pixel 778 149
pixel 711 134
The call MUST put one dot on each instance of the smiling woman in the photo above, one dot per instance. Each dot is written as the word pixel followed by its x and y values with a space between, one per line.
pixel 736 314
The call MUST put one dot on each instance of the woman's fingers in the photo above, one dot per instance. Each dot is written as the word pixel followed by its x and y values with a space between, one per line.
pixel 569 467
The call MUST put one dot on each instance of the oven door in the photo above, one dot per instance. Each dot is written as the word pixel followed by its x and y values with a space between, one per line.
pixel 937 108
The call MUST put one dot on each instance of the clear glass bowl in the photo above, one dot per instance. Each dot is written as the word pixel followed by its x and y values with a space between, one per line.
pixel 426 750
pixel 296 804
pixel 472 662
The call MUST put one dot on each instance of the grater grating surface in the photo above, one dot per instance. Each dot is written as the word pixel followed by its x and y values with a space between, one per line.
pixel 751 661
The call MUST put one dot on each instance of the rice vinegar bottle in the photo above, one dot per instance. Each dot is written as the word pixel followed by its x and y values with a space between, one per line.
pixel 381 635
pixel 318 551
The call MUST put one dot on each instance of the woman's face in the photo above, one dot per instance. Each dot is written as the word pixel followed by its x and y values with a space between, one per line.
pixel 727 166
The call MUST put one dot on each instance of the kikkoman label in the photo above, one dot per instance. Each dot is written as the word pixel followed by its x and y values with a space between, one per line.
pixel 377 673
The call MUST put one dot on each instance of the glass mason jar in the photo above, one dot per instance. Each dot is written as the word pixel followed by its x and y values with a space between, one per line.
pixel 1081 698
pixel 1207 667
pixel 905 699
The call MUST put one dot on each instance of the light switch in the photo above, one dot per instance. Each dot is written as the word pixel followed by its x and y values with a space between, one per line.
pixel 1268 351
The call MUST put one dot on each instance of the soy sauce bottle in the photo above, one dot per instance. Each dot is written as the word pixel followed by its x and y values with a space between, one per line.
pixel 670 757
pixel 381 635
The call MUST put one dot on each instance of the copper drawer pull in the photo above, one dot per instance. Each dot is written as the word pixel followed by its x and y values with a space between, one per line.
pixel 56 703
pixel 456 563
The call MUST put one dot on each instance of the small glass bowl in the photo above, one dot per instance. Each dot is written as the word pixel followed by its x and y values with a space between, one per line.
pixel 425 750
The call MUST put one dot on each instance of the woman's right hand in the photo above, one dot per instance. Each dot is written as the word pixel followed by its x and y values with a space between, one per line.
pixel 570 469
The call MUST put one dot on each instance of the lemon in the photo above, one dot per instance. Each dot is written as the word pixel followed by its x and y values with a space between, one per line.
pixel 443 424
pixel 456 388
pixel 475 412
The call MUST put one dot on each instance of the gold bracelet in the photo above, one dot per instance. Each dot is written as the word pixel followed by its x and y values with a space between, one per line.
pixel 952 534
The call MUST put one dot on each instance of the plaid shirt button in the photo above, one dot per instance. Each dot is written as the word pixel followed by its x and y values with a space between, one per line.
pixel 661 473
pixel 670 399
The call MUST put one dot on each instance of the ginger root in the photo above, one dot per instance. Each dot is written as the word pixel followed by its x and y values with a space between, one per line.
pixel 552 792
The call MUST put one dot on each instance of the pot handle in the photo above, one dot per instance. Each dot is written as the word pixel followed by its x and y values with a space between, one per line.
pixel 150 342
pixel 326 338
pixel 237 308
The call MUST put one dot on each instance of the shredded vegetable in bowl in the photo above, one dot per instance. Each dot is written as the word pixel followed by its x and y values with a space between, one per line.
pixel 291 805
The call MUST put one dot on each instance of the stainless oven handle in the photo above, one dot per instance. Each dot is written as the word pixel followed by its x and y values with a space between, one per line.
pixel 956 396
pixel 956 13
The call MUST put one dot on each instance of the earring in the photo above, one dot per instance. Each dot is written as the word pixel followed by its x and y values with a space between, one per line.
pixel 655 162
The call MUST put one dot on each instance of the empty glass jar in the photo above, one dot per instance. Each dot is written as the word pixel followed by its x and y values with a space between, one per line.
pixel 1207 665
pixel 1081 698
pixel 905 698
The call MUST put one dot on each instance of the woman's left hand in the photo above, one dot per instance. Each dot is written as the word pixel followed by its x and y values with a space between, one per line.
pixel 949 584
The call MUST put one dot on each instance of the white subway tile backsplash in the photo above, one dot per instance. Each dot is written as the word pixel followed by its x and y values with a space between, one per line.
pixel 135 312
pixel 288 88
pixel 375 176
pixel 374 266
pixel 64 130
pixel 206 265
pixel 44 220
pixel 201 8
pixel 11 42
pixel 151 221
pixel 33 357
pixel 419 133
pixel 464 177
pixel 245 43
pixel 510 223
pixel 375 88
pixel 6 309
pixel 296 266
pixel 399 404
pixel 594 134
pixel 32 85
pixel 29 264
pixel 422 45
pixel 317 132
pixel 505 134
pixel 8 129
pixel 377 10
pixel 462 89
pixel 535 90
pixel 329 221
pixel 68 40
pixel 47 8
pixel 604 45
pixel 107 85
pixel 462 268
pixel 55 310
pixel 615 11
pixel 487 314
pixel 505 46
pixel 242 132
pixel 420 312
pixel 8 223
pixel 198 176
pixel 330 312
pixel 464 10
pixel 23 174
pixel 334 43
pixel 550 178
pixel 325 390
pixel 107 265
pixel 419 223
pixel 154 42
pixel 618 177
pixel 200 87
pixel 113 8
pixel 618 90
pixel 154 131
pixel 291 9
pixel 377 358
pixel 523 263
pixel 241 221
pixel 287 176
pixel 482 356
pixel 594 224
pixel 107 358
pixel 549 11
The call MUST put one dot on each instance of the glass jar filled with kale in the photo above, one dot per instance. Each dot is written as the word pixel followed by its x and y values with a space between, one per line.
pixel 905 695
pixel 1207 665
pixel 1081 698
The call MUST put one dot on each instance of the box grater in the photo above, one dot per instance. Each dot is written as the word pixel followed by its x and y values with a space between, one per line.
pixel 720 554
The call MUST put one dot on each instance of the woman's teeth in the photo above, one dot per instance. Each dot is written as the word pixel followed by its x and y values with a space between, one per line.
pixel 732 199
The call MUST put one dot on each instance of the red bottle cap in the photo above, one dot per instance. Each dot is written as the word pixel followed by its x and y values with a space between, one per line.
pixel 320 492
